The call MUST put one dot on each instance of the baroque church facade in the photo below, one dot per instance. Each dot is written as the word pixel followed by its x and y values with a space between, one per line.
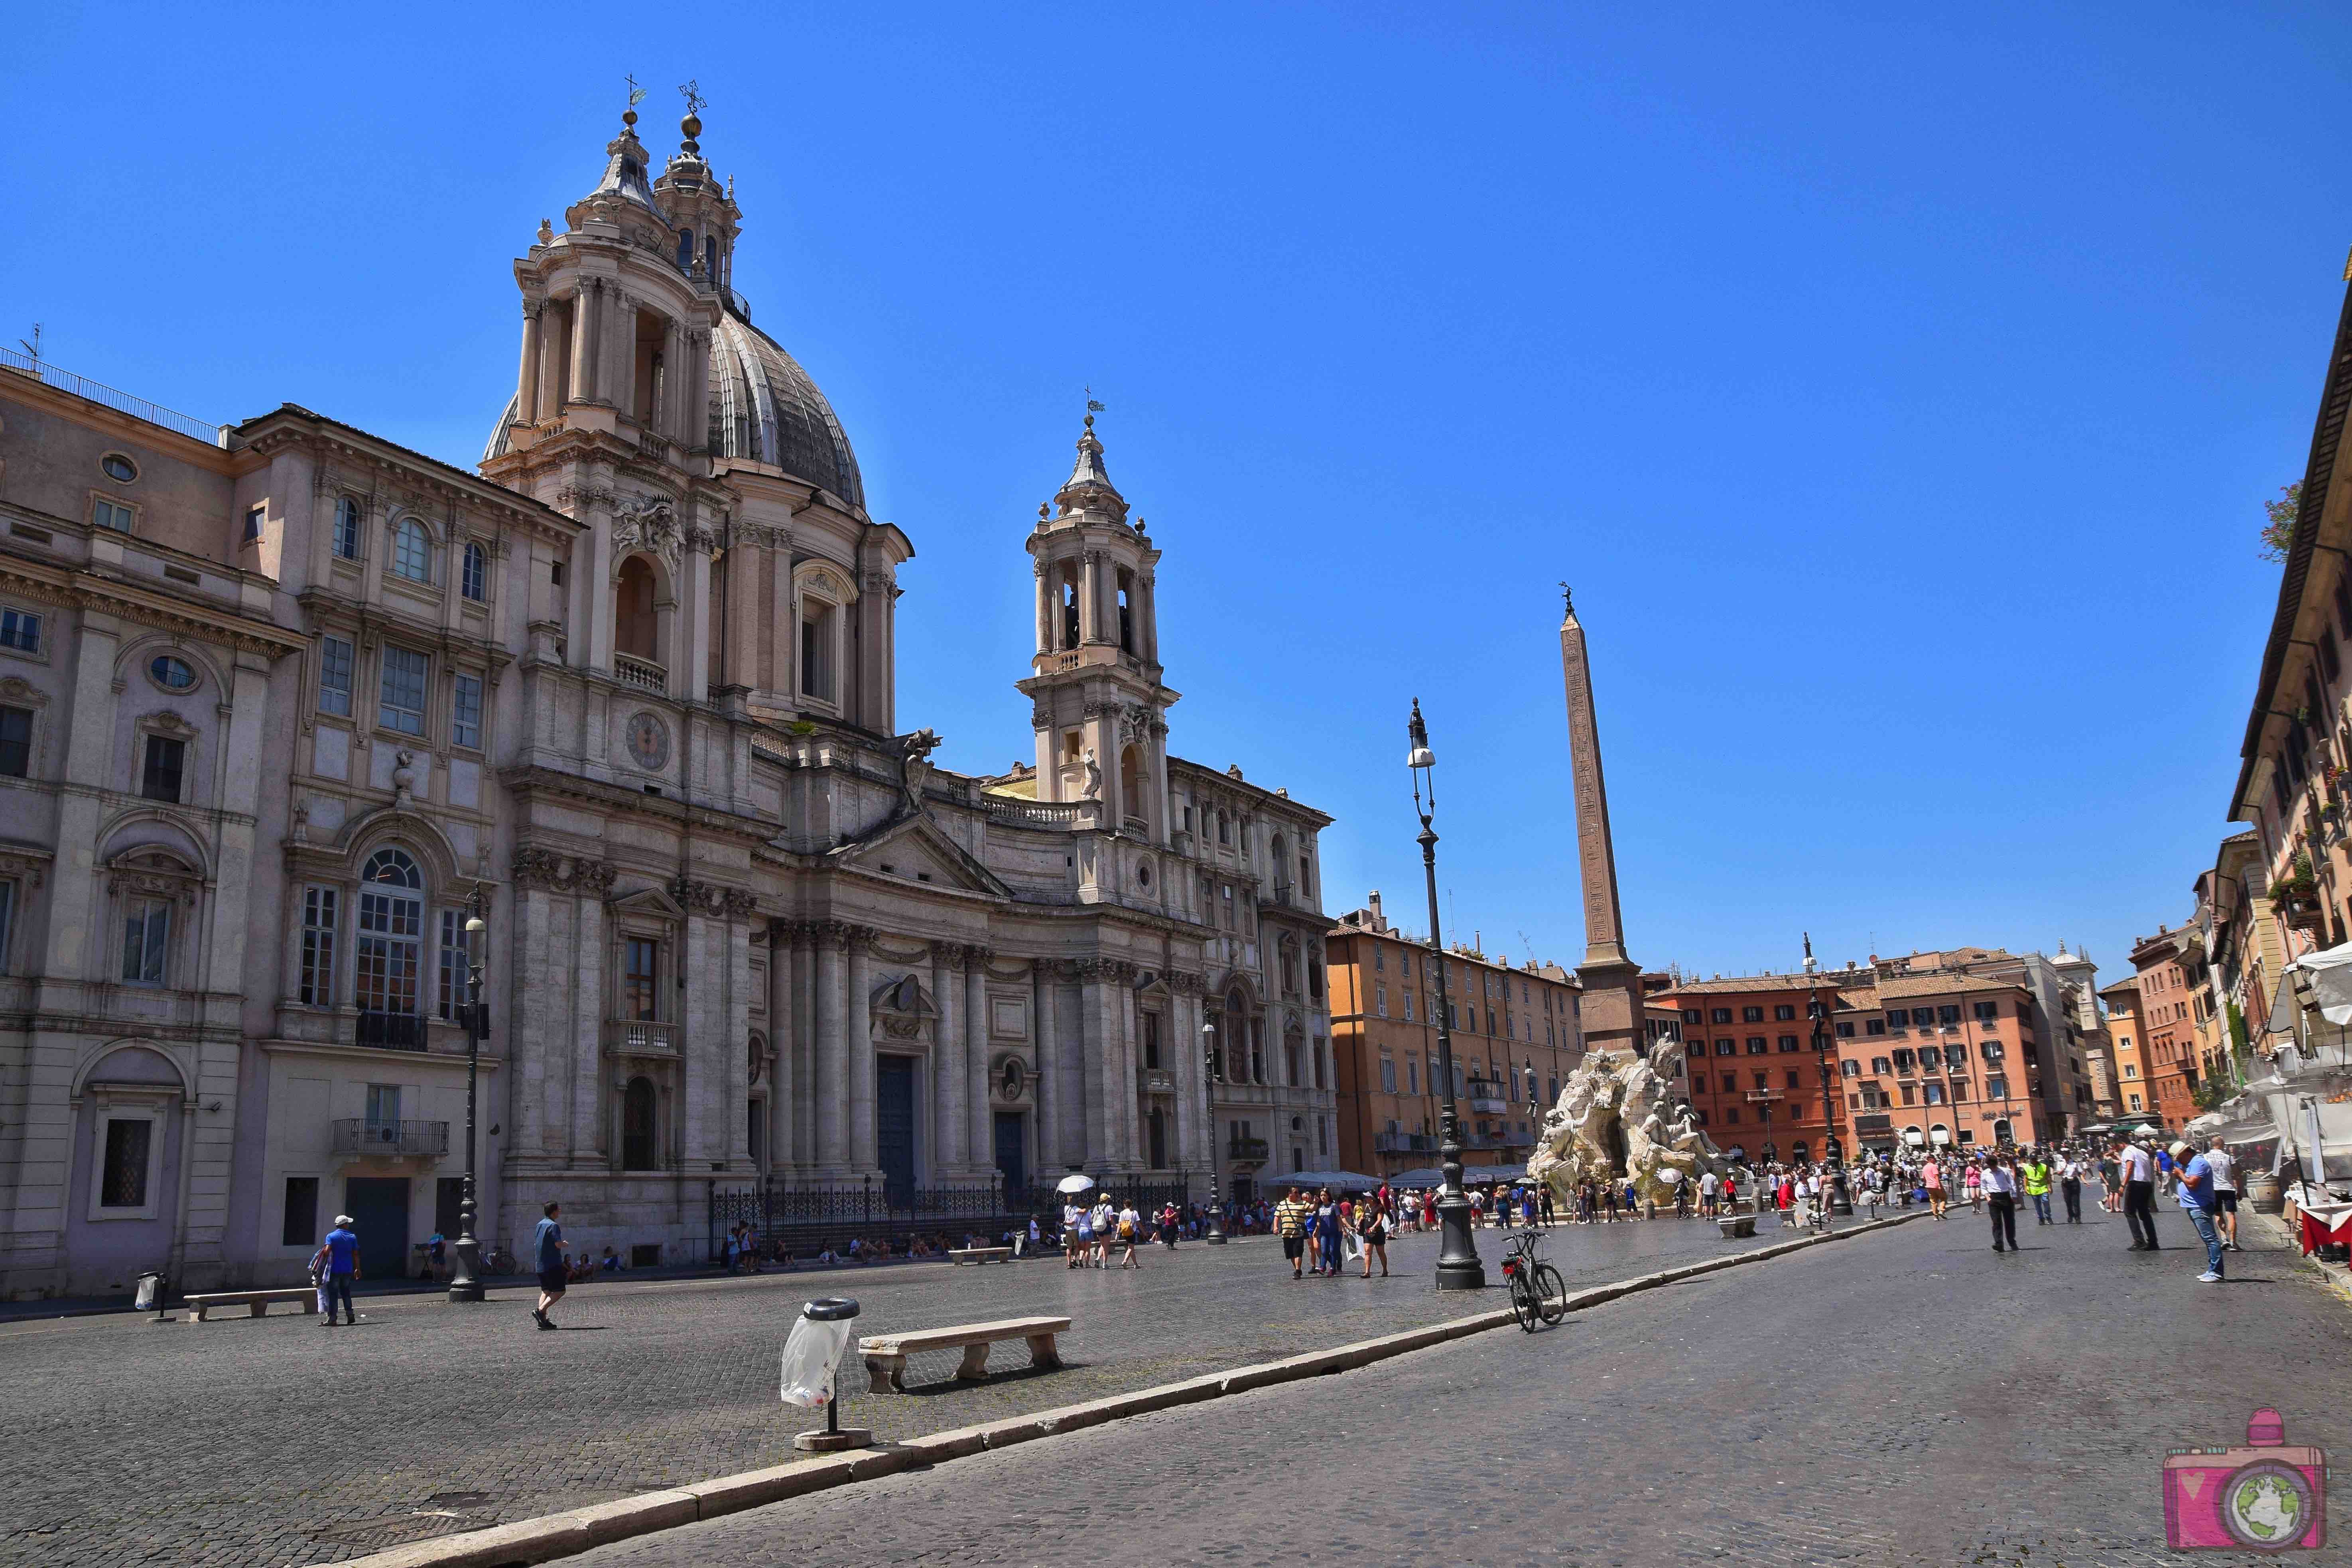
pixel 277 700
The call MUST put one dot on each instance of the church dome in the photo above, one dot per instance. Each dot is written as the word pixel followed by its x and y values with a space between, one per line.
pixel 765 409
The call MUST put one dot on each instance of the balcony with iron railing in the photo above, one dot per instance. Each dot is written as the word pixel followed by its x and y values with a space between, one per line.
pixel 1252 1151
pixel 642 1038
pixel 359 1135
pixel 1159 1080
pixel 631 670
pixel 389 1031
pixel 1403 1142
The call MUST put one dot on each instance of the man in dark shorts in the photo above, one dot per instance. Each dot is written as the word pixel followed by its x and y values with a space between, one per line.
pixel 547 1248
pixel 1290 1216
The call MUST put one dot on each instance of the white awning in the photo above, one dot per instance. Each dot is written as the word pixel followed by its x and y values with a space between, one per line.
pixel 2331 985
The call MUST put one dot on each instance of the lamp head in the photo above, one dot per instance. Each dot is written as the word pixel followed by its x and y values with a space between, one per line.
pixel 474 923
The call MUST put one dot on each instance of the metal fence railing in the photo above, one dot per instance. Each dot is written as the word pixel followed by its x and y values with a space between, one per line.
pixel 98 392
pixel 879 1209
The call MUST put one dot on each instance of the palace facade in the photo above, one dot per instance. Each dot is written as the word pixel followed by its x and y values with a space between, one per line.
pixel 278 700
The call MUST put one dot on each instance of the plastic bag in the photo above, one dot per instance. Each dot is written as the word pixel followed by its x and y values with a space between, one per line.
pixel 811 1354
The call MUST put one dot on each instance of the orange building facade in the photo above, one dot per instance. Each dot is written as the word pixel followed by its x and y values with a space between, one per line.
pixel 1508 1021
pixel 2169 1020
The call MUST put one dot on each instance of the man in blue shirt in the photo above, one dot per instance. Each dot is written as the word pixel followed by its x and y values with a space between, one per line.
pixel 342 1251
pixel 2196 1187
pixel 548 1249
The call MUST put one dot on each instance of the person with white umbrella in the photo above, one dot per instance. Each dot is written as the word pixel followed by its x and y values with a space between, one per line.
pixel 1074 1218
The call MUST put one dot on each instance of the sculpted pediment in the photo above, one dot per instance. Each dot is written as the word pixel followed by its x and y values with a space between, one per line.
pixel 916 849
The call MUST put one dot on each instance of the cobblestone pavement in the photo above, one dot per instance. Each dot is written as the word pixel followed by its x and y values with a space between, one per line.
pixel 1909 1399
pixel 278 1442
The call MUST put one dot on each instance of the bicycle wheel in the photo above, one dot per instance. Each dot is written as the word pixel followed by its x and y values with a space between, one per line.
pixel 1523 1303
pixel 1552 1293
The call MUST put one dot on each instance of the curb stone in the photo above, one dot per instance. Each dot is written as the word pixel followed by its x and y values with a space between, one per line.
pixel 583 1529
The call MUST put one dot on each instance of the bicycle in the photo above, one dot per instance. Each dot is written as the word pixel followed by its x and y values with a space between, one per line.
pixel 1537 1289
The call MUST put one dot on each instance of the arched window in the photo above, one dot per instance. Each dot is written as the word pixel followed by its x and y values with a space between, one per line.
pixel 635 630
pixel 1290 1062
pixel 412 551
pixel 637 1142
pixel 1131 791
pixel 390 952
pixel 474 579
pixel 347 528
pixel 686 250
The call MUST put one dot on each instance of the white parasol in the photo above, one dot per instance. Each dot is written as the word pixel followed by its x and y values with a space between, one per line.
pixel 1077 1183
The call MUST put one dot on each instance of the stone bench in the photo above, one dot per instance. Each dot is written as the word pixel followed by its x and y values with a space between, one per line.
pixel 886 1354
pixel 259 1300
pixel 979 1255
pixel 1736 1225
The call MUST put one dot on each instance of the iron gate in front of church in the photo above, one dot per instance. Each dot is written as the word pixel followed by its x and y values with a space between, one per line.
pixel 810 1218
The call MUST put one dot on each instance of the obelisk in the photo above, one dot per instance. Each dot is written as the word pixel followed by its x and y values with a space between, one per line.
pixel 1612 1005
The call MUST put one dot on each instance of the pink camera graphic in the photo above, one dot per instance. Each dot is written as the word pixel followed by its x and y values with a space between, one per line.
pixel 2268 1495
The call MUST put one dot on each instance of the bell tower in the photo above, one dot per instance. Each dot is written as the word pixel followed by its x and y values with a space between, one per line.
pixel 1096 701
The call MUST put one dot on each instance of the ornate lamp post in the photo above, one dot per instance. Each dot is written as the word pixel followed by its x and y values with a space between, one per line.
pixel 1458 1268
pixel 465 1283
pixel 1216 1237
pixel 1832 1152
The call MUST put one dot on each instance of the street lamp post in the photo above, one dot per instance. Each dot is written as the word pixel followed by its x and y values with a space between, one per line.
pixel 1832 1152
pixel 464 1280
pixel 1216 1237
pixel 1458 1268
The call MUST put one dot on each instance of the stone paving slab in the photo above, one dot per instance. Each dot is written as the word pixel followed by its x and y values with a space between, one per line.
pixel 1907 1401
pixel 278 1441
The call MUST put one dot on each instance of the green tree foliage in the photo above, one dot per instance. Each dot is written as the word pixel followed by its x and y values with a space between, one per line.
pixel 2278 533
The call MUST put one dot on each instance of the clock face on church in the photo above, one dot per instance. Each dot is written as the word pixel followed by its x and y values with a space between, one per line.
pixel 649 742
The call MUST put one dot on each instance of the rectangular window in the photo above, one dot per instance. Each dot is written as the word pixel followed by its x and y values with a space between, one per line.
pixel 146 933
pixel 1934 1093
pixel 1723 1015
pixel 1846 1031
pixel 1380 1000
pixel 452 991
pixel 1950 1015
pixel 1751 1014
pixel 1407 1006
pixel 160 779
pixel 1388 1075
pixel 641 960
pixel 1731 1115
pixel 20 629
pixel 1898 1018
pixel 473 574
pixel 1784 1012
pixel 1998 1088
pixel 347 528
pixel 123 1183
pixel 1988 1010
pixel 816 653
pixel 319 925
pixel 403 707
pixel 255 517
pixel 1959 1089
pixel 1787 1042
pixel 8 921
pixel 15 741
pixel 107 514
pixel 465 712
pixel 1413 1078
pixel 1756 1046
pixel 1873 1026
pixel 301 1224
pixel 335 676
pixel 383 1106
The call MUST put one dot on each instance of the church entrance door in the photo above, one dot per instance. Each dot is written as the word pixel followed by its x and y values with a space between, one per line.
pixel 893 1127
pixel 1012 1151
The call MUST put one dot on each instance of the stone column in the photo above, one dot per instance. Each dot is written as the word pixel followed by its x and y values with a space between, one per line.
pixel 949 1084
pixel 806 1084
pixel 585 955
pixel 1049 1094
pixel 529 1041
pixel 527 384
pixel 616 347
pixel 1147 613
pixel 584 322
pixel 1044 611
pixel 692 618
pixel 1090 597
pixel 705 1019
pixel 859 1045
pixel 668 408
pixel 1093 1044
pixel 552 360
pixel 735 1148
pixel 830 1090
pixel 982 1141
pixel 784 1148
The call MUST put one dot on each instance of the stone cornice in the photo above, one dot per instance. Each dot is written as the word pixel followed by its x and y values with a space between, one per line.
pixel 81 589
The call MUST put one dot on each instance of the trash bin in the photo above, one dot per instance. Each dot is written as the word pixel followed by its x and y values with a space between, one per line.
pixel 812 1372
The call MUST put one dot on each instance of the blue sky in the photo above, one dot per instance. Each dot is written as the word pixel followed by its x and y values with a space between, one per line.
pixel 1896 385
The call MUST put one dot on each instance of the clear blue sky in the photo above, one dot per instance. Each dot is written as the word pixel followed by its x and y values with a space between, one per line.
pixel 1897 385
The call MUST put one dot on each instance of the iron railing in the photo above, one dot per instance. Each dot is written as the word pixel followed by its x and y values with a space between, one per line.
pixel 358 1135
pixel 48 375
pixel 391 1031
pixel 779 1209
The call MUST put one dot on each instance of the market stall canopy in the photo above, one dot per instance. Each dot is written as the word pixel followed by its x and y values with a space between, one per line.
pixel 2331 983
pixel 1338 1181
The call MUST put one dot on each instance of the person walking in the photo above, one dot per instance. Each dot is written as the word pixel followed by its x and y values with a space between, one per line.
pixel 547 1254
pixel 2193 1174
pixel 2111 1182
pixel 1131 1231
pixel 1372 1230
pixel 1327 1233
pixel 1707 1185
pixel 2139 1193
pixel 2070 1187
pixel 1290 1217
pixel 1931 1176
pixel 342 1250
pixel 2035 1172
pixel 1999 1185
pixel 1973 1187
pixel 2224 1168
pixel 1543 1205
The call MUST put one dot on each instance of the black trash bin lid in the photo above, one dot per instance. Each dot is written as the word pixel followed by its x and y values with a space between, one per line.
pixel 829 1309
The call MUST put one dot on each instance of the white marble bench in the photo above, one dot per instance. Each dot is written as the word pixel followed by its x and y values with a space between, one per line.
pixel 886 1354
pixel 1736 1225
pixel 308 1295
pixel 977 1255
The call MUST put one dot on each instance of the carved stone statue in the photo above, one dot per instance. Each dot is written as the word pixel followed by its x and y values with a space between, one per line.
pixel 646 522
pixel 915 763
pixel 1618 1118
pixel 1094 774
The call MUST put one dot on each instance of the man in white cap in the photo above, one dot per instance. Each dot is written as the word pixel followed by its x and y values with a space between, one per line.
pixel 2195 1176
pixel 342 1267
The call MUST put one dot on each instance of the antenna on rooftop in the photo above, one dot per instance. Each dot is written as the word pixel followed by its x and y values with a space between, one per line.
pixel 34 348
